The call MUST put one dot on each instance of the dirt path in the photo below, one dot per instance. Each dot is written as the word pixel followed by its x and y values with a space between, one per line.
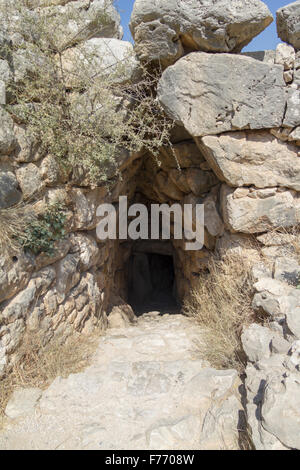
pixel 147 388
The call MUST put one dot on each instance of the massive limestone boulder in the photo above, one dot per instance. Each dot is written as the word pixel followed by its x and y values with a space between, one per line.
pixel 259 210
pixel 100 57
pixel 285 55
pixel 29 179
pixel 288 24
pixel 164 29
pixel 272 386
pixel 292 115
pixel 267 56
pixel 68 23
pixel 280 409
pixel 280 301
pixel 256 341
pixel 252 158
pixel 9 193
pixel 83 20
pixel 14 274
pixel 184 154
pixel 214 93
pixel 8 140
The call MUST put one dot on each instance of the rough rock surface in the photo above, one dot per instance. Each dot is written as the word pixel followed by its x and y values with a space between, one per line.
pixel 164 29
pixel 273 372
pixel 267 56
pixel 82 20
pixel 22 402
pixel 146 389
pixel 7 138
pixel 9 193
pixel 203 93
pixel 285 55
pixel 252 158
pixel 281 302
pixel 288 23
pixel 259 210
pixel 110 57
pixel 273 386
pixel 292 116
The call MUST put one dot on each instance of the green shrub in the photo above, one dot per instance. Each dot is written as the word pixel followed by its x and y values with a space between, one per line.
pixel 42 232
pixel 84 119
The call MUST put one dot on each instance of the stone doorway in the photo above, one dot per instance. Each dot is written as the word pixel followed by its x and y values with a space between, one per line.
pixel 151 279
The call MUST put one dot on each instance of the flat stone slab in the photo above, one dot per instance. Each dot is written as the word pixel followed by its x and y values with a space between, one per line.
pixel 213 93
pixel 147 388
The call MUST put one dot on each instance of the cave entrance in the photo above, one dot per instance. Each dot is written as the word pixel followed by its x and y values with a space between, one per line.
pixel 152 284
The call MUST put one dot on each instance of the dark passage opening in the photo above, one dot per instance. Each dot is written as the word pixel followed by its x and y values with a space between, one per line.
pixel 152 284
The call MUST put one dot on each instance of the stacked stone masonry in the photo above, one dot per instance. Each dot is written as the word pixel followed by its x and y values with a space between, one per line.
pixel 236 139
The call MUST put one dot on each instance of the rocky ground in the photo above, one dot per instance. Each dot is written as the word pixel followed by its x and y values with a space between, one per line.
pixel 146 388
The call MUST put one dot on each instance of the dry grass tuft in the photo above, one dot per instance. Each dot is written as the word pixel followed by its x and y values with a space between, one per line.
pixel 38 365
pixel 296 242
pixel 222 305
pixel 13 222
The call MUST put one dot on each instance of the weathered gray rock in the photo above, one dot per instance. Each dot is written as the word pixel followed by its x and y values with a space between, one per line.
pixel 297 69
pixel 46 3
pixel 294 354
pixel 162 30
pixel 252 158
pixel 14 274
pixel 81 20
pixel 100 57
pixel 281 409
pixel 203 93
pixel 256 340
pixel 26 61
pixel 286 56
pixel 2 92
pixel 258 378
pixel 5 71
pixel 27 150
pixel 287 269
pixel 288 76
pixel 278 239
pixel 292 116
pixel 184 154
pixel 51 172
pixel 5 75
pixel 267 56
pixel 293 313
pixel 60 250
pixel 9 193
pixel 279 300
pixel 121 316
pixel 7 137
pixel 21 304
pixel 11 337
pixel 68 274
pixel 86 247
pixel 85 206
pixel 279 345
pixel 149 384
pixel 271 298
pixel 288 23
pixel 295 135
pixel 212 219
pixel 200 181
pixel 29 179
pixel 259 210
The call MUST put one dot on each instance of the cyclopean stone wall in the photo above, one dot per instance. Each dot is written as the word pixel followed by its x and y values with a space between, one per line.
pixel 68 292
pixel 236 141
